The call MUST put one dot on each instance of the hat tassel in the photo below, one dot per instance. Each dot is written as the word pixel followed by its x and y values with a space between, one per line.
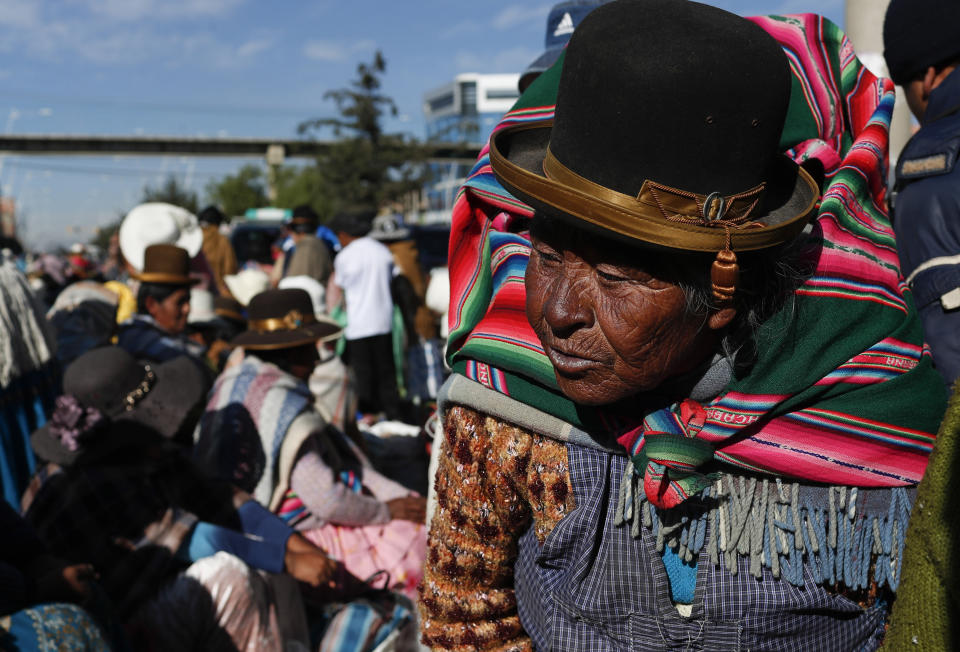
pixel 724 275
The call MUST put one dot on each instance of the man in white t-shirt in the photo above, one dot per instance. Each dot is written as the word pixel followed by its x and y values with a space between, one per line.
pixel 363 270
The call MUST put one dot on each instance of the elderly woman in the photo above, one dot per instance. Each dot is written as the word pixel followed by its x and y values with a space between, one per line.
pixel 706 431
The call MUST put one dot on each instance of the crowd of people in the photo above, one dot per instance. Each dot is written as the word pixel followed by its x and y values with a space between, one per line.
pixel 700 370
pixel 188 462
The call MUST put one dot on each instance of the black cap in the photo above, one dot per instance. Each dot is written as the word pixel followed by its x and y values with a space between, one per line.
pixel 918 34
pixel 356 223
pixel 211 215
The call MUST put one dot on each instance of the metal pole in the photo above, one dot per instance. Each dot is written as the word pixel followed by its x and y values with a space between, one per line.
pixel 864 27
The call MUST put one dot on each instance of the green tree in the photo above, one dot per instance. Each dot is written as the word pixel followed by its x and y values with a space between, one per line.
pixel 361 106
pixel 234 194
pixel 296 185
pixel 364 166
pixel 172 192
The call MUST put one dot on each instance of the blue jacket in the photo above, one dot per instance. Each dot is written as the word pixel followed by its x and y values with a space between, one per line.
pixel 926 219
pixel 144 340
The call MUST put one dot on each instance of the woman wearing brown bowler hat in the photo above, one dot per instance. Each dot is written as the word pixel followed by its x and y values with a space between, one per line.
pixel 156 332
pixel 263 431
pixel 690 406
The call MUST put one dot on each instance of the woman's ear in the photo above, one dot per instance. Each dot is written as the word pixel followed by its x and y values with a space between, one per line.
pixel 151 305
pixel 720 319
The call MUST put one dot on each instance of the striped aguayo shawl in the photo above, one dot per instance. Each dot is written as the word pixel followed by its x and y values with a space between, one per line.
pixel 246 425
pixel 843 391
pixel 243 428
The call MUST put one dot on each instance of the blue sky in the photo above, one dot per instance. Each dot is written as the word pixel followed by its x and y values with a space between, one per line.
pixel 244 68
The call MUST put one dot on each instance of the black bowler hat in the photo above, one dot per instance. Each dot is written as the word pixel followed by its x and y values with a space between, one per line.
pixel 281 319
pixel 666 132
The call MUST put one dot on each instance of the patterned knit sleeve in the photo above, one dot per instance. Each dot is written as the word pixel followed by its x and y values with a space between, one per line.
pixel 483 486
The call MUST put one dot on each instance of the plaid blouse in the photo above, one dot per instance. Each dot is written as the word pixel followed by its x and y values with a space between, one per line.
pixel 592 586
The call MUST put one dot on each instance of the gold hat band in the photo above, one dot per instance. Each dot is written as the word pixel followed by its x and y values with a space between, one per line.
pixel 655 201
pixel 650 216
pixel 164 278
pixel 289 322
pixel 642 217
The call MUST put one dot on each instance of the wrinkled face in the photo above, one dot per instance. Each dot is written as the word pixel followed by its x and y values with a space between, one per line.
pixel 171 313
pixel 609 325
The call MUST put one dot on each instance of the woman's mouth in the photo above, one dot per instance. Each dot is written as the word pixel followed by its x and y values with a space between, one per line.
pixel 569 363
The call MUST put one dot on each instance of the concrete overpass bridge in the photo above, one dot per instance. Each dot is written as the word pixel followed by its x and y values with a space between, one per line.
pixel 275 151
pixel 445 156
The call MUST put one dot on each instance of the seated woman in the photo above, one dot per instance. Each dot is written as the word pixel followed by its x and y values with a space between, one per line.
pixel 40 606
pixel 705 430
pixel 116 493
pixel 157 332
pixel 264 432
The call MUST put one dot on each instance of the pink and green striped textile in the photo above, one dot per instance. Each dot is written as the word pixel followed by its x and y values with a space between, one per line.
pixel 843 391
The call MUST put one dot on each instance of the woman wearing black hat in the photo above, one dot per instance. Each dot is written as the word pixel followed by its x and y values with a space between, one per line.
pixel 691 403
pixel 264 432
pixel 116 494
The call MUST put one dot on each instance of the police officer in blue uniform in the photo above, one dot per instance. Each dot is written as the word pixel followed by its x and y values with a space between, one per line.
pixel 922 50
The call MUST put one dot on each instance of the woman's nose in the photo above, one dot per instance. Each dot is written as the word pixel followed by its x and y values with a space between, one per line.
pixel 567 306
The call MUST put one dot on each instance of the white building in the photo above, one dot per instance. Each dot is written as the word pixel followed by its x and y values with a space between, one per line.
pixel 463 111
pixel 467 109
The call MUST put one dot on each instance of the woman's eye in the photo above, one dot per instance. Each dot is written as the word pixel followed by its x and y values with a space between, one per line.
pixel 612 278
pixel 547 256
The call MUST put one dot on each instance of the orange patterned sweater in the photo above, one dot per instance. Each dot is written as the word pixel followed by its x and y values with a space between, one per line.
pixel 494 481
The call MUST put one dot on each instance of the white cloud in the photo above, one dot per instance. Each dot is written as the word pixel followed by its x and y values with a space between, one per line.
pixel 110 44
pixel 510 60
pixel 132 10
pixel 110 48
pixel 47 38
pixel 368 45
pixel 518 15
pixel 460 29
pixel 19 13
pixel 254 47
pixel 324 51
pixel 127 32
pixel 336 51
